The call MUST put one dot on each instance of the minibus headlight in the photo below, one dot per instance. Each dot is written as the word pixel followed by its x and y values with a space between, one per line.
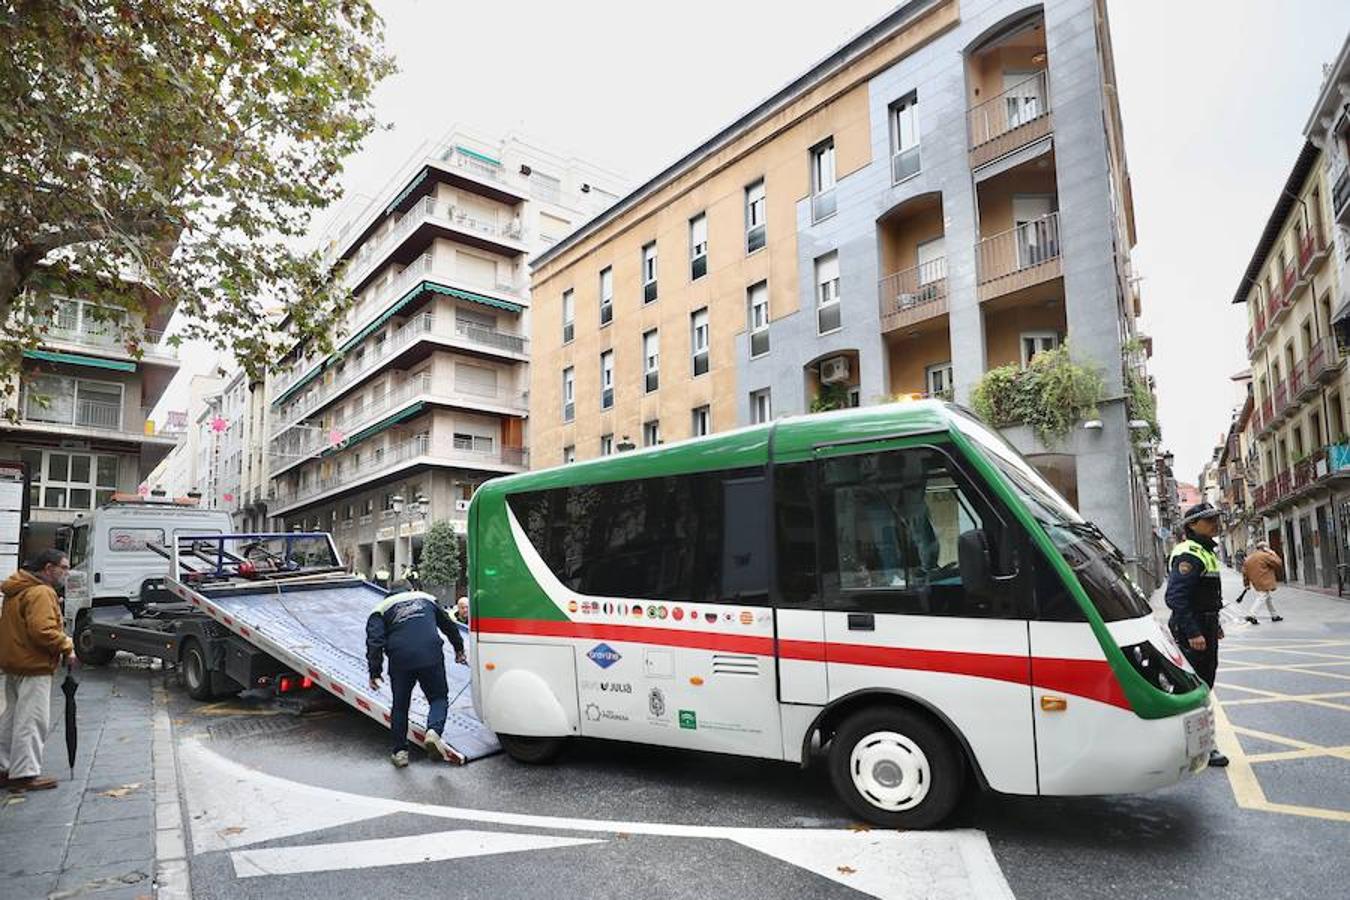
pixel 1158 670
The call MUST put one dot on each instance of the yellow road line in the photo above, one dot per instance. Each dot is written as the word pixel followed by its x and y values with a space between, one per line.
pixel 1305 753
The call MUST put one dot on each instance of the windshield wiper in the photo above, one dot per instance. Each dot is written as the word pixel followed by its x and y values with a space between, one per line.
pixel 1089 530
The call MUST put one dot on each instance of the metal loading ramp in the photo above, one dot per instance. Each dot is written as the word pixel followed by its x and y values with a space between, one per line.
pixel 319 629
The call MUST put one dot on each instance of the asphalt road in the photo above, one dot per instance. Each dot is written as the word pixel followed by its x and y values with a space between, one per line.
pixel 303 805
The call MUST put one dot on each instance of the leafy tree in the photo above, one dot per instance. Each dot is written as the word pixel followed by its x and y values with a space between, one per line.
pixel 175 151
pixel 440 556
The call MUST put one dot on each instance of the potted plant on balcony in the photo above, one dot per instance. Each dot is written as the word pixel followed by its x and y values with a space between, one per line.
pixel 440 562
pixel 1050 395
pixel 831 396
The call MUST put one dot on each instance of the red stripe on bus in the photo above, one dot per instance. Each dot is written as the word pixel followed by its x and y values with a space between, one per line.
pixel 1092 679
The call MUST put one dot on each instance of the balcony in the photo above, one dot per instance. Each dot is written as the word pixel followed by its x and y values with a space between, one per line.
pixel 1323 362
pixel 1297 384
pixel 1281 400
pixel 1311 250
pixel 1275 306
pixel 913 295
pixel 1340 198
pixel 1258 332
pixel 1009 120
pixel 1267 414
pixel 1020 257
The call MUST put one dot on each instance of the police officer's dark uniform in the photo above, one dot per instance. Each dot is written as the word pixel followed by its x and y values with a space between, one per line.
pixel 1195 597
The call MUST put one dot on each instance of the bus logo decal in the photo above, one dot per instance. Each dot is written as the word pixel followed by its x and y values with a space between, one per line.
pixel 603 655
pixel 656 703
pixel 689 719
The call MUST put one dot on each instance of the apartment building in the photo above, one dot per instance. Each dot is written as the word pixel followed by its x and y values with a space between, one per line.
pixel 426 395
pixel 177 474
pixel 83 403
pixel 944 194
pixel 1236 458
pixel 1328 129
pixel 1299 378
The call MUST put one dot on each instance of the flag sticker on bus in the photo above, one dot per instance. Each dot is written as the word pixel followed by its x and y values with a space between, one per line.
pixel 603 655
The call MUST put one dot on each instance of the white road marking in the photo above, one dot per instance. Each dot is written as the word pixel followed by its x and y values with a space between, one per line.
pixel 400 851
pixel 232 806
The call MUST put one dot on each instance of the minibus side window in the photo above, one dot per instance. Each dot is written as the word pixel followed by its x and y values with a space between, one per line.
pixel 794 492
pixel 892 525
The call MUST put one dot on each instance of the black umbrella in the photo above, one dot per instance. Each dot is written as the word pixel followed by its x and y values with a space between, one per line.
pixel 69 687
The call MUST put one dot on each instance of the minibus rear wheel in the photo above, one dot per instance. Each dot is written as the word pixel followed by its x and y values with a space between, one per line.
pixel 896 768
pixel 533 751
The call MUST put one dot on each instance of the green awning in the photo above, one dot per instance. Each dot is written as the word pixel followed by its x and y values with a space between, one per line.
pixel 407 191
pixel 75 359
pixel 476 155
pixel 382 425
pixel 417 290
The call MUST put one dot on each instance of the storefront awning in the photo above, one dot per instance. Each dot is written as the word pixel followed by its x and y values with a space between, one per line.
pixel 382 425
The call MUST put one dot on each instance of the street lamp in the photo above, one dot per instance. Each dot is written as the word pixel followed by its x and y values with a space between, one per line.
pixel 417 508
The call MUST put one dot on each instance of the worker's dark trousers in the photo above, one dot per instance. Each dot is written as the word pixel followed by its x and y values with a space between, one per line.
pixel 432 681
pixel 1204 662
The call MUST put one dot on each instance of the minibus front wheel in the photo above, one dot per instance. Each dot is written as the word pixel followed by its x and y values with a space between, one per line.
pixel 533 751
pixel 896 768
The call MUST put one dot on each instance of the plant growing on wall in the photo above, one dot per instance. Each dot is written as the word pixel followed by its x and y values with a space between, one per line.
pixel 1140 404
pixel 1050 395
pixel 440 556
pixel 831 396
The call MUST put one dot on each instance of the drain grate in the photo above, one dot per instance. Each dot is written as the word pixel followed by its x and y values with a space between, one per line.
pixel 259 727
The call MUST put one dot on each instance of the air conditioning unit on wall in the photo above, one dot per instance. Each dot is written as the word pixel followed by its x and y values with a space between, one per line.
pixel 461 506
pixel 834 370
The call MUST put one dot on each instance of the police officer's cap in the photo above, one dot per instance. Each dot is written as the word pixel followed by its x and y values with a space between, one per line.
pixel 1200 511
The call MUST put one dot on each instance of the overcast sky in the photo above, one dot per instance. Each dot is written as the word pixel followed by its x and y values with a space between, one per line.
pixel 1214 94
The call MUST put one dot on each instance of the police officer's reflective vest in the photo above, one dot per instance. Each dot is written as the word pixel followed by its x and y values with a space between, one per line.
pixel 1208 596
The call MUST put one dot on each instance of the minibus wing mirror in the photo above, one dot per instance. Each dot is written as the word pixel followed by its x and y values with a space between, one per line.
pixel 972 557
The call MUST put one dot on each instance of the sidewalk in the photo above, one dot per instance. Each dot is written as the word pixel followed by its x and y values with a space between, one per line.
pixel 1305 611
pixel 95 833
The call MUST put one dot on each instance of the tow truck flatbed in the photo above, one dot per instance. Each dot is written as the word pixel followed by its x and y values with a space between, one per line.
pixel 312 619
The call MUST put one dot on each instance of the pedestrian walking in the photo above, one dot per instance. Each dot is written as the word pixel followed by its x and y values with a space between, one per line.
pixel 1195 597
pixel 406 626
pixel 1261 572
pixel 32 644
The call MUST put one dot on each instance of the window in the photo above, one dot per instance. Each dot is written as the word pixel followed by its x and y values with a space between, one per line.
pixel 606 445
pixel 905 138
pixel 569 394
pixel 651 360
pixel 480 381
pixel 606 295
pixel 827 294
pixel 893 528
pixel 607 379
pixel 1034 342
pixel 698 538
pixel 62 400
pixel 698 246
pixel 754 217
pixel 761 410
pixel 651 433
pixel 131 540
pixel 569 454
pixel 938 381
pixel 473 443
pixel 822 181
pixel 649 272
pixel 569 315
pixel 702 421
pixel 698 340
pixel 60 480
pixel 757 308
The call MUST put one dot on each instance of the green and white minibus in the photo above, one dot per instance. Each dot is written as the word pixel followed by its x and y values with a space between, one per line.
pixel 893 584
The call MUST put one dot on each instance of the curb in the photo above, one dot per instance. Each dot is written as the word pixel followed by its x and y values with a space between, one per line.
pixel 172 881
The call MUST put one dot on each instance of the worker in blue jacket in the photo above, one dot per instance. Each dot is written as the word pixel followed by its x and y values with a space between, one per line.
pixel 1195 596
pixel 406 626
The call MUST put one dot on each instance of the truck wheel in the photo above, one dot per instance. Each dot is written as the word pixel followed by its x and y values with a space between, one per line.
pixel 88 652
pixel 196 675
pixel 533 751
pixel 896 768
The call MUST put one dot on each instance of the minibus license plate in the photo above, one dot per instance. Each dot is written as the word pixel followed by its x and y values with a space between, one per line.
pixel 1199 732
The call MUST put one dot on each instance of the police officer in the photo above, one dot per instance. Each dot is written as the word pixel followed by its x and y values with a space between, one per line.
pixel 1195 596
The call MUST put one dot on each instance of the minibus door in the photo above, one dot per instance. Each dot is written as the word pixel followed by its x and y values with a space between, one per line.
pixel 801 656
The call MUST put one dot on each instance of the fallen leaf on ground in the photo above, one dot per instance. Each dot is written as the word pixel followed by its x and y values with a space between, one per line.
pixel 119 792
pixel 846 870
pixel 233 829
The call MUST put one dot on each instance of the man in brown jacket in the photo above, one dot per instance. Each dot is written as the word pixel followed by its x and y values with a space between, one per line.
pixel 1260 572
pixel 32 644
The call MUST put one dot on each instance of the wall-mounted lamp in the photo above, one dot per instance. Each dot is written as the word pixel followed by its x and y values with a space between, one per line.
pixel 1092 425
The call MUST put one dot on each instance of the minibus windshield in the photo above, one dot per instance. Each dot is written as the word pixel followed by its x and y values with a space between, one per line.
pixel 1097 562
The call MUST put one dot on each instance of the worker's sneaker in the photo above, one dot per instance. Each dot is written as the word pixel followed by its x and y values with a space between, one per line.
pixel 1277 618
pixel 437 748
pixel 1217 760
pixel 1252 619
pixel 399 758
pixel 30 783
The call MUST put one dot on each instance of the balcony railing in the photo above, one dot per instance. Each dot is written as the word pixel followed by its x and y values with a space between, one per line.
pixel 1019 105
pixel 1340 197
pixel 1267 413
pixel 1281 398
pixel 823 205
pixel 1324 360
pixel 491 337
pixel 110 334
pixel 295 444
pixel 1022 247
pixel 71 411
pixel 1312 246
pixel 921 286
pixel 1297 381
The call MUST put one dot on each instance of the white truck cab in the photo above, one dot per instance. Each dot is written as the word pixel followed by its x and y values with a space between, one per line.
pixel 110 564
